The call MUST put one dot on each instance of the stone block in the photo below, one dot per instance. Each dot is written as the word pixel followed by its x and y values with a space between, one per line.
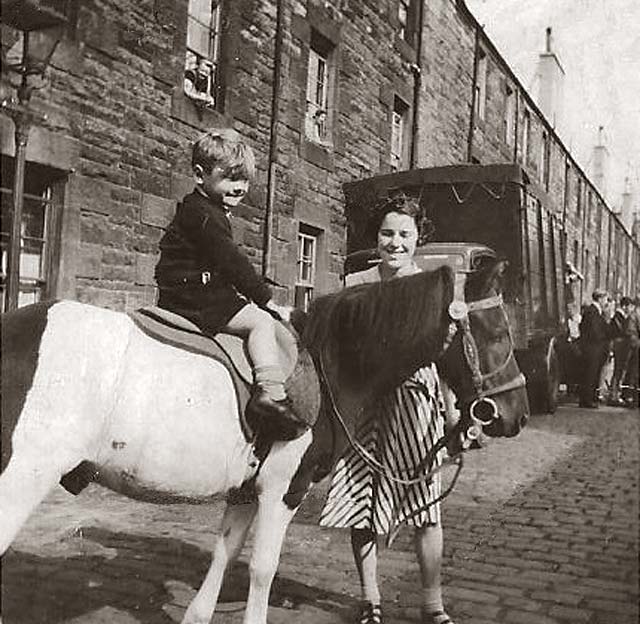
pixel 90 194
pixel 156 211
pixel 145 267
pixel 90 260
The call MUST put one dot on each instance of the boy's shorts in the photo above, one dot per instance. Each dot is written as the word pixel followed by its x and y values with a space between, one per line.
pixel 210 310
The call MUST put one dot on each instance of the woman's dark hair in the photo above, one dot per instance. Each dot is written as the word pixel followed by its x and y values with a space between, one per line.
pixel 403 204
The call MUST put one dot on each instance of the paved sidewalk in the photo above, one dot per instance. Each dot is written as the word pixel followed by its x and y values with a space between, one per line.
pixel 541 529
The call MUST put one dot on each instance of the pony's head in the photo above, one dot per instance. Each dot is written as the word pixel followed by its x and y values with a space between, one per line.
pixel 479 363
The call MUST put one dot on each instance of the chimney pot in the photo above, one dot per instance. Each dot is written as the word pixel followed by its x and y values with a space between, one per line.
pixel 548 38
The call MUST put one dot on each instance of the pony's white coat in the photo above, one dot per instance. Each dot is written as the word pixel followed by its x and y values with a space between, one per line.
pixel 156 421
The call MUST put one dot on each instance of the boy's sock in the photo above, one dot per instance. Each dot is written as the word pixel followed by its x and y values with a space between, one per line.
pixel 270 378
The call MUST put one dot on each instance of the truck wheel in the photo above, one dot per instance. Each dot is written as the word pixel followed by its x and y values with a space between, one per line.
pixel 543 390
pixel 541 366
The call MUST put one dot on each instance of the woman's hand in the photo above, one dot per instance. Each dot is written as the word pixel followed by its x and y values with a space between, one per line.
pixel 281 312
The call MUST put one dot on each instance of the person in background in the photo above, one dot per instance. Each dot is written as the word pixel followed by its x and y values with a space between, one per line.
pixel 633 364
pixel 401 430
pixel 570 349
pixel 621 347
pixel 594 343
pixel 197 81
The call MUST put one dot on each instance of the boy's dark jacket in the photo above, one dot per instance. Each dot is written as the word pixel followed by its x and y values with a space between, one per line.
pixel 199 241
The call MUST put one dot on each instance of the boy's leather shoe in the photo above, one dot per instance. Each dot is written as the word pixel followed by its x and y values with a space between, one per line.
pixel 275 419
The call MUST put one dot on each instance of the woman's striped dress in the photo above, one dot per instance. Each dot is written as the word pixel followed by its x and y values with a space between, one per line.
pixel 405 425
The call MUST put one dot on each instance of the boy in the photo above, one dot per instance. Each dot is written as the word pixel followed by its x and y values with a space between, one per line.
pixel 205 277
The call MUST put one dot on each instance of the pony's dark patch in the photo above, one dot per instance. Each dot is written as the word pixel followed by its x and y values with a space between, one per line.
pixel 22 332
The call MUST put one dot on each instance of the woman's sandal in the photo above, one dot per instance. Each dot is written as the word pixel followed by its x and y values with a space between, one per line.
pixel 370 614
pixel 436 617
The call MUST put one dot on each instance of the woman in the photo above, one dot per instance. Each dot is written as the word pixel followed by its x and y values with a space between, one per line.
pixel 405 425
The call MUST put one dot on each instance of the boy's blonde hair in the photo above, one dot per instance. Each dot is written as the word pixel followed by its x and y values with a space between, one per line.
pixel 223 148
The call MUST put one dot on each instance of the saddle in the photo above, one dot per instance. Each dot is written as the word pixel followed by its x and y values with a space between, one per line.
pixel 231 352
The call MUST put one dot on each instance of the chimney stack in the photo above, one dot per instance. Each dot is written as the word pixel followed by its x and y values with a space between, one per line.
pixel 600 163
pixel 550 76
pixel 627 211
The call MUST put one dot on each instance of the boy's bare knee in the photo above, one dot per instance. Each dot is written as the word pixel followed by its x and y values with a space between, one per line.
pixel 251 319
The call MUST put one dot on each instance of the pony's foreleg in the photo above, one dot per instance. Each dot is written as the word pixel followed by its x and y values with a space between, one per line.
pixel 235 524
pixel 271 525
pixel 23 485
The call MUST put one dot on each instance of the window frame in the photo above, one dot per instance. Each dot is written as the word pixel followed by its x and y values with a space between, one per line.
pixel 508 121
pixel 211 96
pixel 545 155
pixel 480 86
pixel 526 136
pixel 304 287
pixel 317 116
pixel 45 283
pixel 400 113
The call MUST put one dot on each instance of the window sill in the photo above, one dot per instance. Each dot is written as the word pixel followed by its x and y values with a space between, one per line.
pixel 186 110
pixel 406 50
pixel 320 154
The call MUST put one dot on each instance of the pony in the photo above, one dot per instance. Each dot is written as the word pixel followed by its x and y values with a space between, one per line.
pixel 85 384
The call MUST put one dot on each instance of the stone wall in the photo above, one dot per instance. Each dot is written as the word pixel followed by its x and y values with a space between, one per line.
pixel 119 128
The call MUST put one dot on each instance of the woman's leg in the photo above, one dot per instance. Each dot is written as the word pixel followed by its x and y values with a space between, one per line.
pixel 429 545
pixel 365 552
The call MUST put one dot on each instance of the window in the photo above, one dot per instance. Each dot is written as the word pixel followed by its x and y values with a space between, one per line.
pixel 306 266
pixel 202 62
pixel 544 160
pixel 317 111
pixel 39 233
pixel 526 136
pixel 399 133
pixel 567 184
pixel 407 18
pixel 508 122
pixel 481 85
pixel 579 198
pixel 404 7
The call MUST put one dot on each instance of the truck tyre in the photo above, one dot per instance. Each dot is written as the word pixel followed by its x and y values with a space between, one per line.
pixel 545 387
pixel 541 367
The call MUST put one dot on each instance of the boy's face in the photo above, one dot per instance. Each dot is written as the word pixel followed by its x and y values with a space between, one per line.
pixel 215 184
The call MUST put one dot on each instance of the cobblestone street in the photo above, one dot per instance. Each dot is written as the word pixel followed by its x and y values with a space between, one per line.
pixel 541 529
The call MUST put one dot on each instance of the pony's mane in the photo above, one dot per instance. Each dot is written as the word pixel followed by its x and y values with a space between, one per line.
pixel 398 323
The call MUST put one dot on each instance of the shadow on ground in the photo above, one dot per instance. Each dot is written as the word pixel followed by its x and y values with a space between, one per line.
pixel 131 573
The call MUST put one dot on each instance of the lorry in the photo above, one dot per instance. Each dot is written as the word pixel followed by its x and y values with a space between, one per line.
pixel 491 209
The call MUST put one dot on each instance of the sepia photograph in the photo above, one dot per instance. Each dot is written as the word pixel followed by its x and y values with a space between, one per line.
pixel 320 312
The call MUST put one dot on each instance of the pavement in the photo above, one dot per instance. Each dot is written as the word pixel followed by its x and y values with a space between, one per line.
pixel 541 529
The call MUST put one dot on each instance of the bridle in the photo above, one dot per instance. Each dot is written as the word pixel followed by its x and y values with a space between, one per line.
pixel 483 410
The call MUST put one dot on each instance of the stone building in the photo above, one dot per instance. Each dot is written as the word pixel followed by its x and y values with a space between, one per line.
pixel 325 92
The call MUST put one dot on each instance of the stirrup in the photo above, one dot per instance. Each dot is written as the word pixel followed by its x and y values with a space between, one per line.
pixel 370 614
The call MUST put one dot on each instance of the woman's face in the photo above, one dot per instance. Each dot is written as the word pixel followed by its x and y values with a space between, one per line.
pixel 397 239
